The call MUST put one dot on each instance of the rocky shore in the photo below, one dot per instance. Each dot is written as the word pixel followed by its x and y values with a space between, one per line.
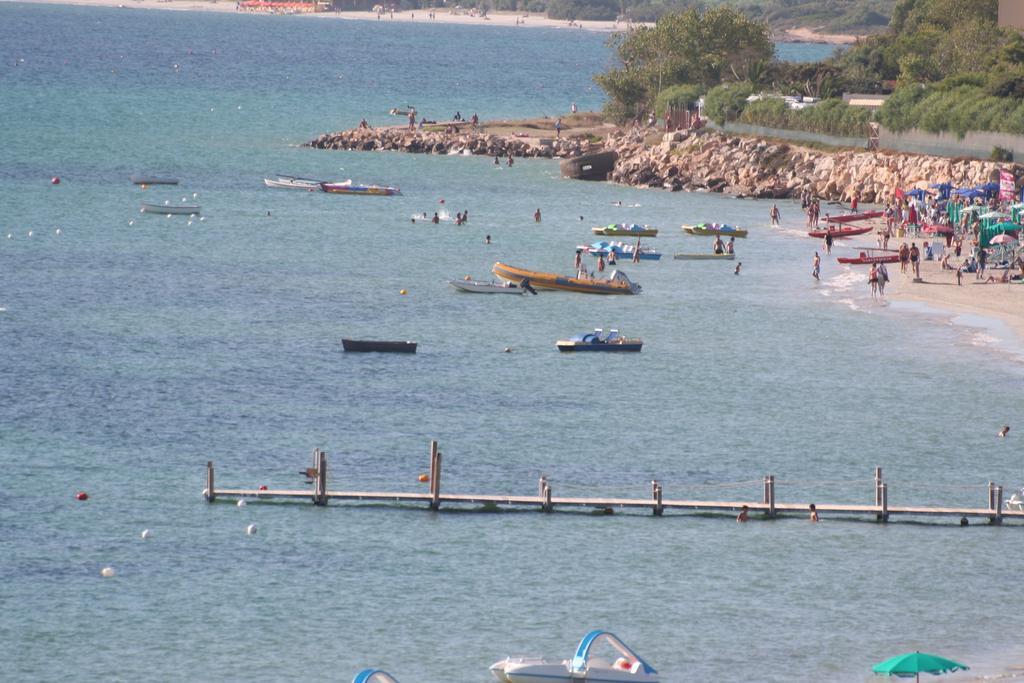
pixel 705 160
pixel 439 142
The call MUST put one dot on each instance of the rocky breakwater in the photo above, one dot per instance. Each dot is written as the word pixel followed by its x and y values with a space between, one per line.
pixel 750 167
pixel 440 142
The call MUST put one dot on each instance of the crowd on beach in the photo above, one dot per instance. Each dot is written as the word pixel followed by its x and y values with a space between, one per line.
pixel 950 228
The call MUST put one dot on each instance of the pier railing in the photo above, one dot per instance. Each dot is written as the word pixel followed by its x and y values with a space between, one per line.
pixel 545 500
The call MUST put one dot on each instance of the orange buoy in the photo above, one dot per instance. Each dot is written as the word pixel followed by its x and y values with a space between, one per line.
pixel 424 478
pixel 55 180
pixel 81 495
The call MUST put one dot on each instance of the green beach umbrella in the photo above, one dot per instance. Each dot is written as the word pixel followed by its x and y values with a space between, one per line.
pixel 913 663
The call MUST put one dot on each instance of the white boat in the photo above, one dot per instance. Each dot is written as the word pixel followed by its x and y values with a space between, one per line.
pixel 491 287
pixel 167 207
pixel 1016 501
pixel 293 183
pixel 627 667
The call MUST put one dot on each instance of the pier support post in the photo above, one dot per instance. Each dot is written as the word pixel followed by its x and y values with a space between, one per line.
pixel 541 484
pixel 883 502
pixel 656 492
pixel 991 495
pixel 770 485
pixel 546 504
pixel 320 490
pixel 209 493
pixel 878 486
pixel 435 477
pixel 998 519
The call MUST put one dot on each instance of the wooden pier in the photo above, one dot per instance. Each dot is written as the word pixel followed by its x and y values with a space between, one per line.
pixel 657 504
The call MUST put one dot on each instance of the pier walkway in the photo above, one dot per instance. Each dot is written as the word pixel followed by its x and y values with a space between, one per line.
pixel 880 510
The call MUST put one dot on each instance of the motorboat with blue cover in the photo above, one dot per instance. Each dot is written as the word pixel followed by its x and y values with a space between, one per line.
pixel 626 667
pixel 621 249
pixel 599 341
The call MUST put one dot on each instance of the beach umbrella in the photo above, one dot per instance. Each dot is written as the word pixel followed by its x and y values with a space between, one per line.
pixel 916 194
pixel 1002 239
pixel 913 663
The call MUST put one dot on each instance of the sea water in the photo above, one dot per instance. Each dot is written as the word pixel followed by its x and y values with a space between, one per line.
pixel 134 348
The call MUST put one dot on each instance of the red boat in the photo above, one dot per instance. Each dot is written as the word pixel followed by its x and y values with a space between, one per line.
pixel 852 217
pixel 839 233
pixel 869 256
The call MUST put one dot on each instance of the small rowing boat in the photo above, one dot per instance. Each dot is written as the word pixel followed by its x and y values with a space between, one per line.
pixel 715 229
pixel 478 287
pixel 599 341
pixel 348 187
pixel 840 233
pixel 617 282
pixel 854 217
pixel 366 346
pixel 624 230
pixel 288 182
pixel 869 256
pixel 704 257
pixel 142 179
pixel 167 207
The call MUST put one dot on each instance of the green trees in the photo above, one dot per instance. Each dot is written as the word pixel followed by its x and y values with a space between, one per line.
pixel 696 48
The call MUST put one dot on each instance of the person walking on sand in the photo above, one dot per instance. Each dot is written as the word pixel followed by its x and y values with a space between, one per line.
pixel 904 257
pixel 816 267
pixel 536 216
pixel 915 260
pixel 982 261
pixel 558 127
pixel 774 214
pixel 573 108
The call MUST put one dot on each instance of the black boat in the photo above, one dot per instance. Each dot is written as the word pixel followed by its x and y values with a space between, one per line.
pixel 365 346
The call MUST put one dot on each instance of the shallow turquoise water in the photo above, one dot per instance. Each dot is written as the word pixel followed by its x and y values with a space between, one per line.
pixel 132 354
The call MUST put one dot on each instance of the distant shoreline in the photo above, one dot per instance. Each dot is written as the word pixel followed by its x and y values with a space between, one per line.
pixel 504 19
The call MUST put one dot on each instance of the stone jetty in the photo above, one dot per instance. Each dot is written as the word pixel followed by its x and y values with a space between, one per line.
pixel 703 160
pixel 440 142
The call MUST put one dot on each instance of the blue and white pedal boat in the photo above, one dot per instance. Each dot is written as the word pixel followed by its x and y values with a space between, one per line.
pixel 622 666
pixel 599 341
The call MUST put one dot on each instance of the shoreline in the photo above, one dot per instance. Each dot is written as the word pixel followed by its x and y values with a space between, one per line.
pixel 494 18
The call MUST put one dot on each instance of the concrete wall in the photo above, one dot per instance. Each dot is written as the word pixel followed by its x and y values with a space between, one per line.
pixel 1011 13
pixel 978 145
pixel 974 145
pixel 794 135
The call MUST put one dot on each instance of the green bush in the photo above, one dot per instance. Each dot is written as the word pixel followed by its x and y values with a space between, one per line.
pixel 1000 154
pixel 727 101
pixel 830 117
pixel 683 96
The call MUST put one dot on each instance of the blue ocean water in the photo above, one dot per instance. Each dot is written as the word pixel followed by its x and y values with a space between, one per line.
pixel 135 348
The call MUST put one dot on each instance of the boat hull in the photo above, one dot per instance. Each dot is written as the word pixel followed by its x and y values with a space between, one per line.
pixel 704 257
pixel 374 190
pixel 511 671
pixel 839 233
pixel 567 346
pixel 539 280
pixel 866 260
pixel 153 180
pixel 474 287
pixel 699 230
pixel 294 184
pixel 366 346
pixel 177 209
pixel 613 232
pixel 853 217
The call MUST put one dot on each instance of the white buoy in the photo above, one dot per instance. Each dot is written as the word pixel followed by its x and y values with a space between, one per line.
pixel 29 233
pixel 167 202
pixel 242 503
pixel 10 236
pixel 142 211
pixel 168 215
pixel 194 195
pixel 145 534
pixel 107 572
pixel 202 219
pixel 131 223
pixel 190 222
pixel 58 231
pixel 250 530
pixel 184 199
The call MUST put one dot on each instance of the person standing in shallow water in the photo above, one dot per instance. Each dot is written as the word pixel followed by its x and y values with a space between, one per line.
pixel 814 513
pixel 536 216
pixel 774 214
pixel 816 267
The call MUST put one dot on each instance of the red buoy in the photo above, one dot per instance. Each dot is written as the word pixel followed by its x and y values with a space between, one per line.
pixel 263 487
pixel 81 495
pixel 55 180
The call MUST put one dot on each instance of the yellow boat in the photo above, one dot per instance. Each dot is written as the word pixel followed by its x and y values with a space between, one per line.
pixel 715 229
pixel 617 283
pixel 622 230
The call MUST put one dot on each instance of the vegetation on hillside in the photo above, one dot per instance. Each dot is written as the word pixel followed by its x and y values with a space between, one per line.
pixel 835 16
